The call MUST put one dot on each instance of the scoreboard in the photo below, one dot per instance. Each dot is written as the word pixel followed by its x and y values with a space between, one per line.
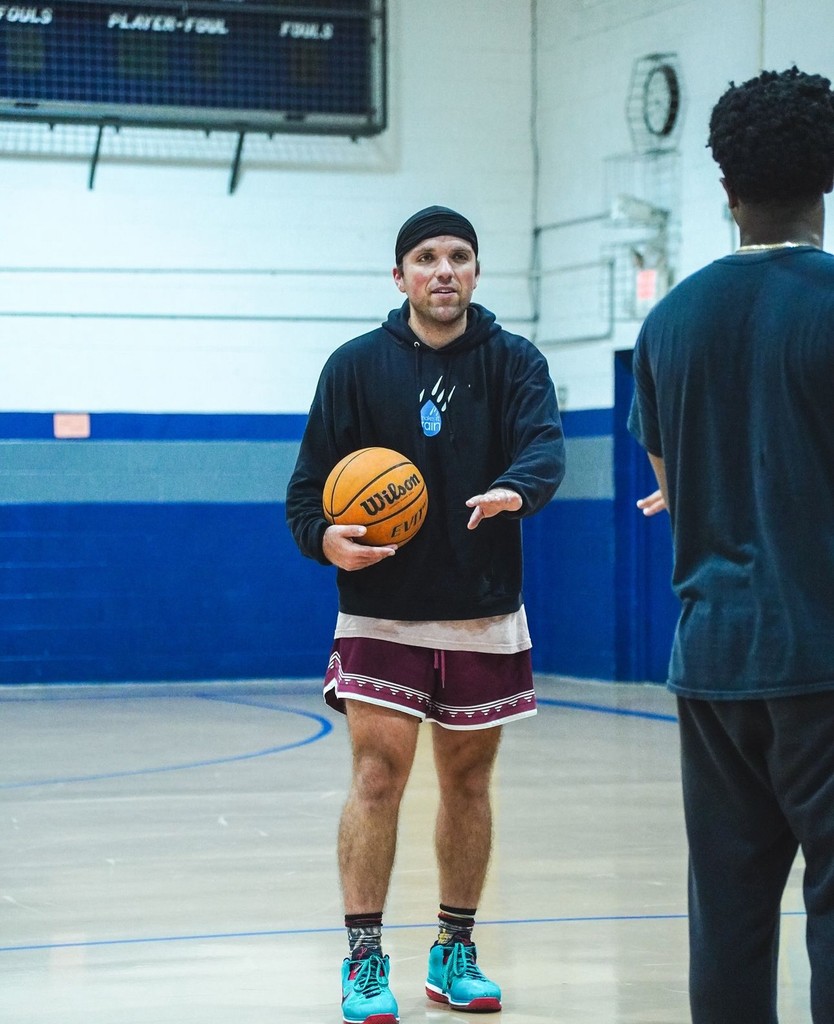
pixel 311 66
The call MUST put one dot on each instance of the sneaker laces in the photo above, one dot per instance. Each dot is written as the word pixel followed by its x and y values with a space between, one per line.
pixel 462 962
pixel 370 979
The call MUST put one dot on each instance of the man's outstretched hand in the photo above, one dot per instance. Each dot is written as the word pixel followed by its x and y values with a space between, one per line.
pixel 485 506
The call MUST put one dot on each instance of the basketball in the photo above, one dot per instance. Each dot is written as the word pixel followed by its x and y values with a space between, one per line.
pixel 380 489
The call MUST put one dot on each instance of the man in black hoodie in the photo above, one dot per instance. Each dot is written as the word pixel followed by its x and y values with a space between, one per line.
pixel 436 629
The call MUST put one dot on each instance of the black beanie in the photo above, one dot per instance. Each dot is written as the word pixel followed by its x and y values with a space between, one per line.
pixel 429 223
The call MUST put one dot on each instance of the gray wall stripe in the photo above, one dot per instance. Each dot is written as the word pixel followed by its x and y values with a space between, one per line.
pixel 71 472
pixel 67 472
pixel 590 469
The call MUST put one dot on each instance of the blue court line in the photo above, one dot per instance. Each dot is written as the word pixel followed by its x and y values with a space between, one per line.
pixel 324 727
pixel 252 702
pixel 139 691
pixel 339 930
pixel 606 709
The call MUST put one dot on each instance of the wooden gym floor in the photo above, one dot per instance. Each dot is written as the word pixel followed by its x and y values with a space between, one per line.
pixel 168 857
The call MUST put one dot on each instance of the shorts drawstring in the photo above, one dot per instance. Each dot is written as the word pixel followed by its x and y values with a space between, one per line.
pixel 440 663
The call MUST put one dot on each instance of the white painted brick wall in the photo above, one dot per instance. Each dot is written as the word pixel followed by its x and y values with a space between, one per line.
pixel 322 213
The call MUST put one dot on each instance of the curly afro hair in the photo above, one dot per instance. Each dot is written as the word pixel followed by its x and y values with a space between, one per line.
pixel 773 137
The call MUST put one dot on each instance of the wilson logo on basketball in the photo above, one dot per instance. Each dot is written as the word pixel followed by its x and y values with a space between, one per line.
pixel 378 502
pixel 380 489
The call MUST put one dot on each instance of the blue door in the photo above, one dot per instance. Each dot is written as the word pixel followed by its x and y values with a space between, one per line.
pixel 646 608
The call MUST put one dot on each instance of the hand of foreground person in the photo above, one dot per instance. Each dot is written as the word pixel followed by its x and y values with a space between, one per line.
pixel 341 548
pixel 499 499
pixel 652 503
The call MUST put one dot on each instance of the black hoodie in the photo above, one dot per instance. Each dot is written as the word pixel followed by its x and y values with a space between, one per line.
pixel 479 413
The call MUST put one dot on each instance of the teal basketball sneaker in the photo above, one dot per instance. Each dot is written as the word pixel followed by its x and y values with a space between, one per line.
pixel 455 978
pixel 366 997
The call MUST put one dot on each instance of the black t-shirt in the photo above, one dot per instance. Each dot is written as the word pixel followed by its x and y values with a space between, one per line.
pixel 734 375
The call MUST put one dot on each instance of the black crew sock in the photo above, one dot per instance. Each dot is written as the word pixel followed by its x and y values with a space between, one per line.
pixel 364 934
pixel 456 924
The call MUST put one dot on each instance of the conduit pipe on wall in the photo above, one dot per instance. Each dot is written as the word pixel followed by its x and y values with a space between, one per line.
pixel 371 319
pixel 538 275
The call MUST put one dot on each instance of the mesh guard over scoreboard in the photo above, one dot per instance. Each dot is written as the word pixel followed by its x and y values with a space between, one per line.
pixel 238 65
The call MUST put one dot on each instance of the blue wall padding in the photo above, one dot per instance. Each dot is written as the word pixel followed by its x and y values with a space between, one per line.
pixel 208 584
pixel 646 607
pixel 158 592
pixel 569 593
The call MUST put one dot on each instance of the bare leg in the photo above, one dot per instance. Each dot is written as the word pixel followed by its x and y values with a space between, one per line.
pixel 384 743
pixel 463 834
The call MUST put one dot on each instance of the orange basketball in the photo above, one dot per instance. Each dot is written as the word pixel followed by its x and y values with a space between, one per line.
pixel 380 489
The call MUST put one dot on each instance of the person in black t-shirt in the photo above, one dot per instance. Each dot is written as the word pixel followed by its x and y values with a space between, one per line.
pixel 734 404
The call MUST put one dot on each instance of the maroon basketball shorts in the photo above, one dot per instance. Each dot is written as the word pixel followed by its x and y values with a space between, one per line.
pixel 456 689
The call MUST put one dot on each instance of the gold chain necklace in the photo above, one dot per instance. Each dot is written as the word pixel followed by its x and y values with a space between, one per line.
pixel 770 245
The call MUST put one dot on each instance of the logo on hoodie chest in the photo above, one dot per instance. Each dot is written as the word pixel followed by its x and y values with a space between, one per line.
pixel 432 409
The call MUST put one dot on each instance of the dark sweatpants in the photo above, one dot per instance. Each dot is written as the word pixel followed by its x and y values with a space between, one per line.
pixel 758 783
